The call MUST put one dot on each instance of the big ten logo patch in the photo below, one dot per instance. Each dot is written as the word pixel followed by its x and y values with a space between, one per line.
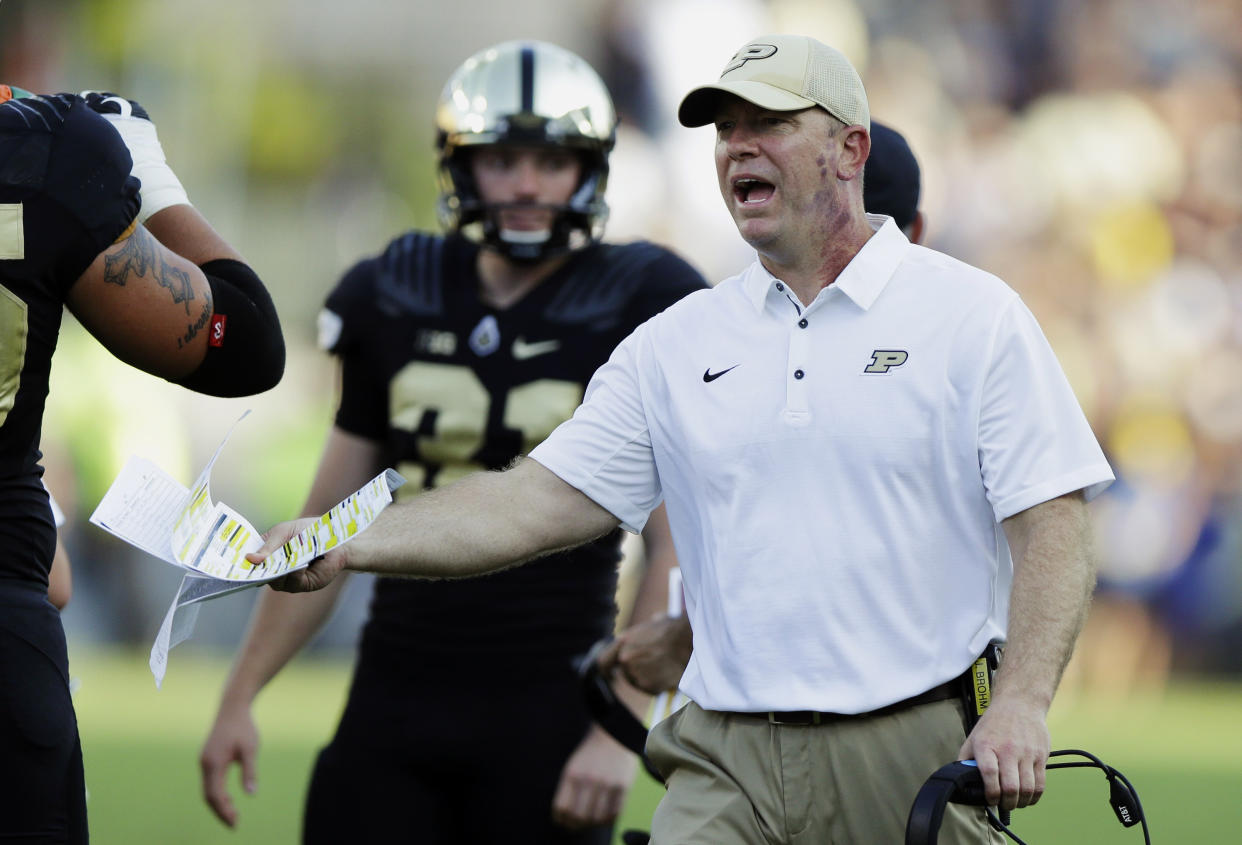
pixel 434 342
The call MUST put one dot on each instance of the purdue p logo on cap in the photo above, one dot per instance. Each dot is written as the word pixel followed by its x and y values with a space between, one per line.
pixel 747 53
pixel 784 73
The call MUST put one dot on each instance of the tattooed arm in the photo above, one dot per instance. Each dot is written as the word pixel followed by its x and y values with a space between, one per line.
pixel 148 305
pixel 153 299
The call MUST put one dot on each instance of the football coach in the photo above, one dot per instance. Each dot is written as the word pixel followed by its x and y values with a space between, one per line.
pixel 873 467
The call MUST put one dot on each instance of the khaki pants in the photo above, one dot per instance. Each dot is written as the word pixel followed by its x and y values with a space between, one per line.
pixel 738 780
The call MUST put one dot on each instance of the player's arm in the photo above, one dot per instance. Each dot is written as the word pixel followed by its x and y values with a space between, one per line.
pixel 280 626
pixel 652 652
pixel 212 329
pixel 172 297
pixel 651 597
pixel 646 657
pixel 598 774
pixel 1054 574
pixel 148 306
pixel 482 523
pixel 60 577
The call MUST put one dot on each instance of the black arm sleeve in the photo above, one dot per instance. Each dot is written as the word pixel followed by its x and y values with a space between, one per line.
pixel 245 347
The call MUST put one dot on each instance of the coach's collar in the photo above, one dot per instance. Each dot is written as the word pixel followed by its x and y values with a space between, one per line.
pixel 863 278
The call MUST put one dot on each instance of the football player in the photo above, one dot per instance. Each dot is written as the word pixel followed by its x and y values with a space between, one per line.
pixel 91 217
pixel 464 722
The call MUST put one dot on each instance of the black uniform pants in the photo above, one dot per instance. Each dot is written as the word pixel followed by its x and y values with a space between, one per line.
pixel 471 761
pixel 42 789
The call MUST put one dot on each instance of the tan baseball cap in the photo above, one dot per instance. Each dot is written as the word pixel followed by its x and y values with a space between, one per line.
pixel 784 73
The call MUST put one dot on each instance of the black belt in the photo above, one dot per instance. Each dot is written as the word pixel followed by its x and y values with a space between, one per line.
pixel 944 692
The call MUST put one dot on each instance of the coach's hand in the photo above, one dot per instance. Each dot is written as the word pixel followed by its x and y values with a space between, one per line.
pixel 1011 745
pixel 316 576
pixel 594 782
pixel 233 739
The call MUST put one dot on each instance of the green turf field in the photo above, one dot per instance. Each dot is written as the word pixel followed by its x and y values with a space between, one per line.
pixel 1183 752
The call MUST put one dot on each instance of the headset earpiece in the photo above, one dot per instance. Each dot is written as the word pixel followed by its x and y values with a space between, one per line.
pixel 1123 800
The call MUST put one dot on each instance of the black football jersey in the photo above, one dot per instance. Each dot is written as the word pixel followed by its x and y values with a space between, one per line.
pixel 453 386
pixel 66 194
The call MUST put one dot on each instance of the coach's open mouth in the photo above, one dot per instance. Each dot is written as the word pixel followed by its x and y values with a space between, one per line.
pixel 750 191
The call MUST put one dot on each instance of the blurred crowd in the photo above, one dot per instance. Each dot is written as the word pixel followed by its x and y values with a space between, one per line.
pixel 1088 153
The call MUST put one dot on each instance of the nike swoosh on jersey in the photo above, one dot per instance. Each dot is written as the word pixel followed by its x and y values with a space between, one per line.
pixel 523 350
pixel 708 375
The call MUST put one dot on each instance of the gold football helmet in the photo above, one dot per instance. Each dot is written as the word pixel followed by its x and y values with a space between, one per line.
pixel 530 93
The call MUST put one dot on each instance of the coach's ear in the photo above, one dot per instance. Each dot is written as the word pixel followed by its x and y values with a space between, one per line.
pixel 855 147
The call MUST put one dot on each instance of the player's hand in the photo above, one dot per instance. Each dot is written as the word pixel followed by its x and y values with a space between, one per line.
pixel 160 186
pixel 651 655
pixel 233 739
pixel 316 576
pixel 1011 745
pixel 594 782
pixel 112 105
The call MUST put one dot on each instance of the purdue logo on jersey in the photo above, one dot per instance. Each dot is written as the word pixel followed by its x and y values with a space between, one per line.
pixel 485 338
pixel 883 360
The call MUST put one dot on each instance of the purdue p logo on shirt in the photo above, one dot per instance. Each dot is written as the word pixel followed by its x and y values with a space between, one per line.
pixel 883 360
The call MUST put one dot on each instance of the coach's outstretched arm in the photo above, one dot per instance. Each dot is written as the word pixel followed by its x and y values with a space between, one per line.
pixel 486 521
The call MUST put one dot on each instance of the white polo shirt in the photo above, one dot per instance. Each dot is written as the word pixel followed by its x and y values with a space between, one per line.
pixel 835 475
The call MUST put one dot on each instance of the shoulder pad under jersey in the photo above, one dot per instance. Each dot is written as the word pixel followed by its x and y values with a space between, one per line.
pixel 56 145
pixel 410 275
pixel 606 278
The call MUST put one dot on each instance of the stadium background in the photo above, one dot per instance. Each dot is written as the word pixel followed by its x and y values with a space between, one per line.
pixel 1090 153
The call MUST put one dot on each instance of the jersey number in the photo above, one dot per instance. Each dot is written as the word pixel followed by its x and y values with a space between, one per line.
pixel 456 405
pixel 12 348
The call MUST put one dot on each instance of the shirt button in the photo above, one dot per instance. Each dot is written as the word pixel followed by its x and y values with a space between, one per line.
pixel 802 323
pixel 779 286
pixel 798 374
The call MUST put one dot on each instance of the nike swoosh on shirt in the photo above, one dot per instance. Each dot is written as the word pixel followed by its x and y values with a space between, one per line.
pixel 523 350
pixel 708 375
